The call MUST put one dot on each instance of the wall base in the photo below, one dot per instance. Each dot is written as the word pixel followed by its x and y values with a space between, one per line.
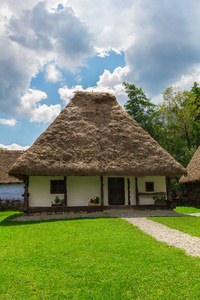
pixel 91 208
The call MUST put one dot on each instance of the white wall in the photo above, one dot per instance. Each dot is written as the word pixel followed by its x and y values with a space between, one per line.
pixel 80 189
pixel 39 190
pixel 159 186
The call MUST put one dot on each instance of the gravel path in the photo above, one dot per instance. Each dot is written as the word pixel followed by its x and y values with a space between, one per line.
pixel 131 213
pixel 195 215
pixel 160 232
pixel 167 235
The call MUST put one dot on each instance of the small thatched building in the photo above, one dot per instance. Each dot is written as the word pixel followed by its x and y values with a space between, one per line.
pixel 192 180
pixel 94 148
pixel 11 188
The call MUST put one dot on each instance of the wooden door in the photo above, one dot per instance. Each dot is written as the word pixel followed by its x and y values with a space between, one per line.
pixel 116 195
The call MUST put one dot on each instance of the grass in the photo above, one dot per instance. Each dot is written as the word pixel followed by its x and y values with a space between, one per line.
pixel 189 225
pixel 105 258
pixel 186 210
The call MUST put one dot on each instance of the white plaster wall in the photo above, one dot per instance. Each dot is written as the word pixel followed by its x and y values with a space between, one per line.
pixel 159 186
pixel 39 190
pixel 80 189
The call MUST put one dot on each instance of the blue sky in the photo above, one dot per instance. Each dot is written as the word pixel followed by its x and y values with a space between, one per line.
pixel 49 49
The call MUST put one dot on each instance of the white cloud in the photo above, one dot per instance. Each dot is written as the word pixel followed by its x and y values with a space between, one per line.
pixel 13 7
pixel 45 114
pixel 112 22
pixel 14 147
pixel 52 73
pixel 166 45
pixel 112 79
pixel 160 42
pixel 9 122
pixel 31 107
pixel 32 38
pixel 108 82
pixel 186 81
pixel 67 93
pixel 60 35
pixel 17 66
pixel 31 98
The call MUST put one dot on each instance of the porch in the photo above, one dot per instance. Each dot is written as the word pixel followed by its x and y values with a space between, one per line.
pixel 76 192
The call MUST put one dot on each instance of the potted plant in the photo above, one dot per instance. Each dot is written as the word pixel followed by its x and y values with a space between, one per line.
pixel 160 199
pixel 58 201
pixel 94 201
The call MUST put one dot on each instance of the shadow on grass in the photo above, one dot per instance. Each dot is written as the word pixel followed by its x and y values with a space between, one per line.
pixel 9 221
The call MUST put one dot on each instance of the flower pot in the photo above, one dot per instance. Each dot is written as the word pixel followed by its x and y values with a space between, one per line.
pixel 56 204
pixel 94 204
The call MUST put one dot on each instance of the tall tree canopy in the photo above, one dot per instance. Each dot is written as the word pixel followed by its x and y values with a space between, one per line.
pixel 139 107
pixel 177 114
pixel 175 123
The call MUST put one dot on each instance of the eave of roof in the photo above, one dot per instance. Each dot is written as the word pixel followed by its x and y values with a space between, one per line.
pixel 7 159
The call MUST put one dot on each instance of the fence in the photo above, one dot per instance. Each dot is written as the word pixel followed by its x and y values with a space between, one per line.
pixel 11 203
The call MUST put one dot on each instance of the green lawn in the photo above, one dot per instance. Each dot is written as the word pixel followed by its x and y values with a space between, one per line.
pixel 186 210
pixel 190 225
pixel 105 258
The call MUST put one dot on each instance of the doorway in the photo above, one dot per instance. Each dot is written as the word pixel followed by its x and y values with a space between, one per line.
pixel 116 191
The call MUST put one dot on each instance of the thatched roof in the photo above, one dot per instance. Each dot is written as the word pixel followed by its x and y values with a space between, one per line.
pixel 7 159
pixel 193 169
pixel 93 135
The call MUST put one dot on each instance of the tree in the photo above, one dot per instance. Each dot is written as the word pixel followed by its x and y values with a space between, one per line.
pixel 174 124
pixel 177 114
pixel 139 107
pixel 195 92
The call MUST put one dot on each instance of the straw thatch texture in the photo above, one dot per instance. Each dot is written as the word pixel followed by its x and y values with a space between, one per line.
pixel 193 169
pixel 7 159
pixel 93 136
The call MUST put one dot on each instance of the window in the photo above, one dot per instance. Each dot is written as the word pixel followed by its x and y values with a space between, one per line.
pixel 149 186
pixel 57 186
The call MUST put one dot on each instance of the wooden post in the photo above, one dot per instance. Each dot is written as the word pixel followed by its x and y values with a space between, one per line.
pixel 65 191
pixel 169 196
pixel 128 184
pixel 136 191
pixel 102 193
pixel 26 194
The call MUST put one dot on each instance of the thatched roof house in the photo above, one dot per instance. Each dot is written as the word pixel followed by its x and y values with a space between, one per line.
pixel 193 169
pixel 94 136
pixel 10 187
pixel 7 159
pixel 192 180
